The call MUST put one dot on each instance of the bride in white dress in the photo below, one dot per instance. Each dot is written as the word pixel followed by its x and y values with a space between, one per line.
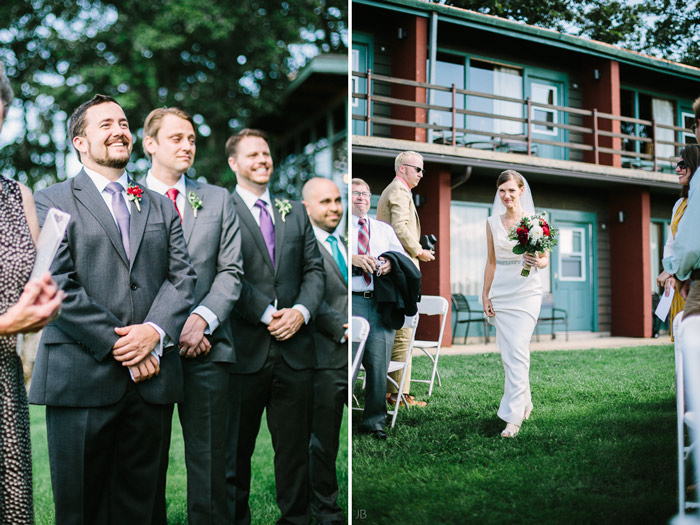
pixel 512 302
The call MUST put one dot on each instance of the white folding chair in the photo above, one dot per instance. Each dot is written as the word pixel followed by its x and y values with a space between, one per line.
pixel 359 330
pixel 432 305
pixel 683 419
pixel 395 366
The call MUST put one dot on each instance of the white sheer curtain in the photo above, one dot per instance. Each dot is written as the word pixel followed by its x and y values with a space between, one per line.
pixel 467 248
pixel 507 82
pixel 662 110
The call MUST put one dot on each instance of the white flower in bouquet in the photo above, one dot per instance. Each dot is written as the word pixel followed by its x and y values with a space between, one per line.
pixel 535 233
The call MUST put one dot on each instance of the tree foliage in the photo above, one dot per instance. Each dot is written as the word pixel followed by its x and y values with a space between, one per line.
pixel 223 62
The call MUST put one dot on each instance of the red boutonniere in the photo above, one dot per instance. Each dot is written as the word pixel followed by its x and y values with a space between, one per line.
pixel 134 194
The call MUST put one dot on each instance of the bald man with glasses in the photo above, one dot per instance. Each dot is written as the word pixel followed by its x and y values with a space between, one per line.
pixel 397 208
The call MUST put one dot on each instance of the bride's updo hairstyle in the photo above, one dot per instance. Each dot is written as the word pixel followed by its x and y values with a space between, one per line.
pixel 691 155
pixel 505 176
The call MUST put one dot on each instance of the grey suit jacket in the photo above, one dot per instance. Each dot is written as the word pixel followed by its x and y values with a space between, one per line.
pixel 331 316
pixel 214 244
pixel 104 289
pixel 296 278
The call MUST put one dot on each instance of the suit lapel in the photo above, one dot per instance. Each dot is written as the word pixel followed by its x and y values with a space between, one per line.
pixel 86 193
pixel 137 224
pixel 280 226
pixel 402 187
pixel 188 219
pixel 249 221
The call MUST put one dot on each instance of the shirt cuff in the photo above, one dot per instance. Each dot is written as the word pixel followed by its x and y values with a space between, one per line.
pixel 344 339
pixel 267 315
pixel 209 316
pixel 304 311
pixel 158 350
pixel 670 265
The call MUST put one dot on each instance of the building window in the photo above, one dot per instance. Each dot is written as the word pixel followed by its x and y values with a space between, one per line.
pixel 544 95
pixel 643 106
pixel 572 254
pixel 467 247
pixel 687 120
pixel 495 79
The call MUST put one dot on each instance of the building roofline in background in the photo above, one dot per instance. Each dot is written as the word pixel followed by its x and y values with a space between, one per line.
pixel 531 33
pixel 334 64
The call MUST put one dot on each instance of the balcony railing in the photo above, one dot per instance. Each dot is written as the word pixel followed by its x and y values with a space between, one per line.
pixel 601 136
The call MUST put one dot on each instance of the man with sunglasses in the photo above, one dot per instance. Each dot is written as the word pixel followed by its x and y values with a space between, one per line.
pixel 396 207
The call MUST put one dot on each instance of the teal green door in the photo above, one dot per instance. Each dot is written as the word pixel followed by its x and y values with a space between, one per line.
pixel 551 93
pixel 573 269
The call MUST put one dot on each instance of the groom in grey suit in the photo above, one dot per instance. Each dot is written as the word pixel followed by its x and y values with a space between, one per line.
pixel 206 345
pixel 282 290
pixel 103 368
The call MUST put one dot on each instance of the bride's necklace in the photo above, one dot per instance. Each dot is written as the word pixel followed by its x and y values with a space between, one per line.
pixel 509 224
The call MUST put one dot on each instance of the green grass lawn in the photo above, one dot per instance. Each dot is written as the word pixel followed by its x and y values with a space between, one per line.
pixel 600 446
pixel 262 501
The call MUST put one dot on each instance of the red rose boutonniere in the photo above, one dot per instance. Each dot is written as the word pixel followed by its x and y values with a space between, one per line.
pixel 134 194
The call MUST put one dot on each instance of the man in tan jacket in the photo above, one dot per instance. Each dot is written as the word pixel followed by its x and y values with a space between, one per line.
pixel 396 207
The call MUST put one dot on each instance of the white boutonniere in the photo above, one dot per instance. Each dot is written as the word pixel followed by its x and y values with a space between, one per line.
pixel 284 207
pixel 195 202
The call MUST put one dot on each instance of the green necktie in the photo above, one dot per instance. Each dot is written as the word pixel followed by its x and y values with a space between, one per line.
pixel 339 259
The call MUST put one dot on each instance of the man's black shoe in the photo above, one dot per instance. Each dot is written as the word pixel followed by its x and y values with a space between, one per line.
pixel 376 434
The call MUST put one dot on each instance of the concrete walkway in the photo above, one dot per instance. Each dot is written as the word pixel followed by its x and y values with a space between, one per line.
pixel 577 341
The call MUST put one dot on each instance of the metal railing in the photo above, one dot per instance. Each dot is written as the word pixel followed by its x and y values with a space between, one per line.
pixel 602 125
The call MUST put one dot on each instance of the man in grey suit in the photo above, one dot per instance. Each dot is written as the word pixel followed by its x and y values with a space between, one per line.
pixel 325 208
pixel 103 368
pixel 206 345
pixel 282 290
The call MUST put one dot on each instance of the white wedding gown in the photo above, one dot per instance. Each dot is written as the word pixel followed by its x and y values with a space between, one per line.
pixel 516 301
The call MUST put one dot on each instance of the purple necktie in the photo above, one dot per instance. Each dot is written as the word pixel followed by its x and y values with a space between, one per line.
pixel 121 213
pixel 267 229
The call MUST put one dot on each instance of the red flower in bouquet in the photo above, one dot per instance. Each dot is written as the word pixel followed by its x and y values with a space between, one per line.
pixel 533 235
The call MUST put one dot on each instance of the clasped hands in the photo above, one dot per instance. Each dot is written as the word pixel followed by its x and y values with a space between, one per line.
pixel 368 264
pixel 285 323
pixel 133 350
pixel 669 281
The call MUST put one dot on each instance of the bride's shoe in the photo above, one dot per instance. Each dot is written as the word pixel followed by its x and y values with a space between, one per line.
pixel 528 411
pixel 510 431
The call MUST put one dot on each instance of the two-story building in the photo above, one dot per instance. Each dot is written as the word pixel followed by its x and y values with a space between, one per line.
pixel 595 129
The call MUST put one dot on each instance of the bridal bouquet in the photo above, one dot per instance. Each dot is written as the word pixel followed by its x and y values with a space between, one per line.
pixel 534 235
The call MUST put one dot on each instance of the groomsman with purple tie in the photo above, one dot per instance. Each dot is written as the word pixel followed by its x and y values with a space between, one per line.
pixel 213 240
pixel 325 208
pixel 103 367
pixel 282 290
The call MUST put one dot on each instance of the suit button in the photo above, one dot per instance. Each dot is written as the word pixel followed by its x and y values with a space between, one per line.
pixel 134 286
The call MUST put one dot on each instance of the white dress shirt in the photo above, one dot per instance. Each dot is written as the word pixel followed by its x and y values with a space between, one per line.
pixel 101 182
pixel 249 198
pixel 382 238
pixel 322 235
pixel 159 187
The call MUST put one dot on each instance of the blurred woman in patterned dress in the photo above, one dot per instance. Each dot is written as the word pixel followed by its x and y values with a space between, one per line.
pixel 24 307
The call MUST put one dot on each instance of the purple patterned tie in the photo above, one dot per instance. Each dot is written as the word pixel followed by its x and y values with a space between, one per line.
pixel 267 229
pixel 121 213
